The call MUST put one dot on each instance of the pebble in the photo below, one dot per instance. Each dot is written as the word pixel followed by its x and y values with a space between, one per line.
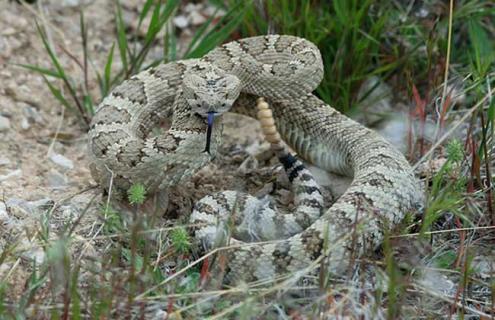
pixel 9 31
pixel 56 180
pixel 181 21
pixel 3 43
pixel 61 161
pixel 25 124
pixel 32 114
pixel 485 266
pixel 3 211
pixel 15 173
pixel 375 97
pixel 27 209
pixel 196 18
pixel 212 11
pixel 4 161
pixel 191 7
pixel 74 3
pixel 4 123
pixel 250 164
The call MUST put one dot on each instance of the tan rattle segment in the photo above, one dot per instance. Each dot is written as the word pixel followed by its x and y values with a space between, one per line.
pixel 268 127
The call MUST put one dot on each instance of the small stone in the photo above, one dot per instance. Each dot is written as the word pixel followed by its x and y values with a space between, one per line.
pixel 484 266
pixel 9 31
pixel 3 44
pixel 191 7
pixel 11 174
pixel 4 123
pixel 212 11
pixel 4 161
pixel 25 124
pixel 27 209
pixel 250 164
pixel 61 161
pixel 375 97
pixel 196 18
pixel 71 3
pixel 3 211
pixel 20 208
pixel 32 114
pixel 42 204
pixel 181 21
pixel 56 180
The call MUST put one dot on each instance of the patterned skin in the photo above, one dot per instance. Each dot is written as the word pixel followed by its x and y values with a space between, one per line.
pixel 284 70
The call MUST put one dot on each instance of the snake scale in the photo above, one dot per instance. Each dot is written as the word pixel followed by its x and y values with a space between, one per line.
pixel 126 148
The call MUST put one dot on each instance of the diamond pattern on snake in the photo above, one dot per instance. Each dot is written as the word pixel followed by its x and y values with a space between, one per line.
pixel 194 94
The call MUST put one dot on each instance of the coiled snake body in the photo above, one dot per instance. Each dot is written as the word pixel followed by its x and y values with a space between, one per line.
pixel 284 70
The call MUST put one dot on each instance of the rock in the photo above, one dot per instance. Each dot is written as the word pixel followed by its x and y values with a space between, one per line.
pixel 213 11
pixel 191 7
pixel 484 266
pixel 32 114
pixel 56 180
pixel 61 161
pixel 196 18
pixel 4 161
pixel 4 123
pixel 9 31
pixel 375 97
pixel 28 209
pixel 250 164
pixel 395 130
pixel 43 204
pixel 11 174
pixel 74 3
pixel 3 44
pixel 25 124
pixel 3 211
pixel 437 282
pixel 181 21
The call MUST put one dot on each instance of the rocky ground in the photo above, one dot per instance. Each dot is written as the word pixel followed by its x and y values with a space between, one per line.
pixel 44 175
pixel 43 158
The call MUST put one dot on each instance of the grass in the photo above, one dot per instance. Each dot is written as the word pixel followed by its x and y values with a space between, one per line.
pixel 421 57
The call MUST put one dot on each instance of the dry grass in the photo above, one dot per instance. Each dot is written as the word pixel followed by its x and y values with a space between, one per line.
pixel 439 264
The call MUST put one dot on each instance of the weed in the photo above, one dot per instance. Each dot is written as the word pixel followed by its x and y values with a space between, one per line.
pixel 421 57
pixel 136 194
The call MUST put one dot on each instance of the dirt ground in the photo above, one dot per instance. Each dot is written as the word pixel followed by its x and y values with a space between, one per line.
pixel 43 156
pixel 44 160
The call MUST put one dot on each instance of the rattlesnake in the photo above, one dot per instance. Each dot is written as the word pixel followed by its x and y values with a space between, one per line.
pixel 285 70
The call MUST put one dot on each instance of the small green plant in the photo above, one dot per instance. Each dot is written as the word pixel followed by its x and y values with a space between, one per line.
pixel 455 151
pixel 180 240
pixel 136 194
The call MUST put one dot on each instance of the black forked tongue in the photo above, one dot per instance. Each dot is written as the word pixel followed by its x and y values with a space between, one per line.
pixel 211 116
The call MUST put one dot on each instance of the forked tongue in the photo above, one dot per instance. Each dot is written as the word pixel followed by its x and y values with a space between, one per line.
pixel 211 116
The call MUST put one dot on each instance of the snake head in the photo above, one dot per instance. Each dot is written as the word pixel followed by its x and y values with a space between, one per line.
pixel 210 91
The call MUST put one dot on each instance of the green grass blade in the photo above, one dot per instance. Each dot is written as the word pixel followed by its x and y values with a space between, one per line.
pixel 108 71
pixel 217 35
pixel 154 26
pixel 75 299
pixel 170 7
pixel 170 46
pixel 51 53
pixel 482 47
pixel 40 70
pixel 122 37
pixel 57 93
pixel 144 12
pixel 198 34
